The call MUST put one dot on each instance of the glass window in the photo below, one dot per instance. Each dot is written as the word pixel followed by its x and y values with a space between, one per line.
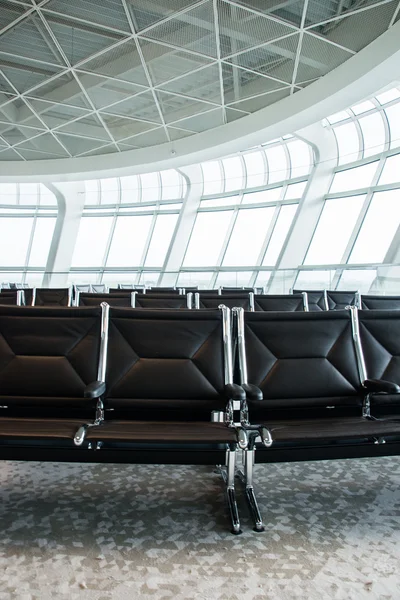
pixel 272 195
pixel 333 231
pixel 112 279
pixel 92 192
pixel 8 193
pixel 207 238
pixel 373 132
pixel 388 96
pixel 393 116
pixel 44 229
pixel 296 190
pixel 231 200
pixel 200 278
pixel 263 278
pixel 248 236
pixel 353 179
pixel 255 168
pixel 171 185
pixel 378 228
pixel 160 240
pixel 279 234
pixel 128 241
pixel 212 177
pixel 149 278
pixel 277 164
pixel 233 170
pixel 300 159
pixel 357 279
pixel 109 191
pixel 314 280
pixel 348 142
pixel 391 170
pixel 337 117
pixel 92 241
pixel 363 107
pixel 32 279
pixel 28 193
pixel 234 279
pixel 15 233
pixel 130 189
pixel 79 278
pixel 150 187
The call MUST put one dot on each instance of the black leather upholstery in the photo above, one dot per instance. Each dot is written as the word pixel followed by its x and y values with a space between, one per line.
pixel 338 300
pixel 287 302
pixel 48 355
pixel 302 360
pixel 8 298
pixel 229 300
pixel 316 300
pixel 52 297
pixel 380 340
pixel 166 364
pixel 380 302
pixel 88 299
pixel 163 300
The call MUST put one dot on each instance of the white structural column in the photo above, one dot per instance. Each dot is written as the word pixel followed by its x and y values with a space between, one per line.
pixel 180 240
pixel 70 200
pixel 323 141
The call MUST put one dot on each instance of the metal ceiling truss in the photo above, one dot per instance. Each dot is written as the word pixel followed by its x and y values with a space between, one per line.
pixel 86 77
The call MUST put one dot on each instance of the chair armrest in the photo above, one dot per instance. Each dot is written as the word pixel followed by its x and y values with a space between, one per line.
pixel 234 392
pixel 94 389
pixel 252 392
pixel 381 386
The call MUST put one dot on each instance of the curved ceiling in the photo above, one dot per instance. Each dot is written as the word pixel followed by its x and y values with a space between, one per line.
pixel 88 77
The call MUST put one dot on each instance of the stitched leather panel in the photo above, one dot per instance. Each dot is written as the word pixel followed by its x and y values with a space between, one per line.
pixel 229 300
pixel 47 356
pixel 111 299
pixel 380 339
pixel 160 301
pixel 51 297
pixel 338 300
pixel 153 355
pixel 380 302
pixel 161 431
pixel 293 302
pixel 295 356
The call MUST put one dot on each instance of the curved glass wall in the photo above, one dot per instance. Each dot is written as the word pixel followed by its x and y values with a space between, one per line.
pixel 28 213
pixel 158 229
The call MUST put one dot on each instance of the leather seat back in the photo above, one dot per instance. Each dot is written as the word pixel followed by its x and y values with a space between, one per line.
pixel 170 362
pixel 380 340
pixel 88 299
pixel 302 359
pixel 229 300
pixel 380 302
pixel 47 355
pixel 163 300
pixel 338 300
pixel 316 300
pixel 287 302
pixel 52 296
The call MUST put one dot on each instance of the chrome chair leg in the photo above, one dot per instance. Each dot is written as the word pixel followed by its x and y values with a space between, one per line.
pixel 250 495
pixel 228 475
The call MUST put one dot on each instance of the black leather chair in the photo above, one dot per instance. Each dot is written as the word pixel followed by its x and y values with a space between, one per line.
pixel 49 367
pixel 167 372
pixel 380 302
pixel 12 297
pixel 339 300
pixel 317 300
pixel 229 300
pixel 163 300
pixel 52 297
pixel 284 302
pixel 88 299
pixel 380 347
pixel 305 394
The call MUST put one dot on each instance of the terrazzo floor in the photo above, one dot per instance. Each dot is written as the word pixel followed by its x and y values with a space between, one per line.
pixel 101 532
